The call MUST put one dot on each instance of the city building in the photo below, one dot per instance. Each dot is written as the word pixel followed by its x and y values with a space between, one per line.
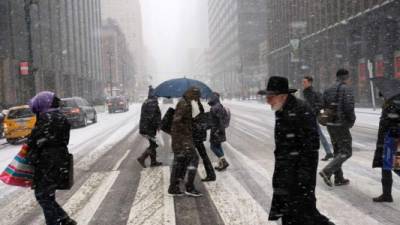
pixel 236 28
pixel 319 37
pixel 127 14
pixel 49 45
pixel 116 60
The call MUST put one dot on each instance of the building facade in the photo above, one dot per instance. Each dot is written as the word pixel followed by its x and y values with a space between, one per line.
pixel 128 16
pixel 319 37
pixel 236 28
pixel 116 60
pixel 60 41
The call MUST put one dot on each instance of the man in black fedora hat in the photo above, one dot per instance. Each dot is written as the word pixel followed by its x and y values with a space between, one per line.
pixel 296 157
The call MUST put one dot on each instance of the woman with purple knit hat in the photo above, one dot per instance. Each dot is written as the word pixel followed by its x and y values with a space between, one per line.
pixel 49 154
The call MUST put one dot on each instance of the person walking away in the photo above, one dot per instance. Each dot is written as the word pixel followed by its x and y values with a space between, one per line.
pixel 314 99
pixel 389 123
pixel 217 134
pixel 339 98
pixel 48 153
pixel 296 157
pixel 186 159
pixel 149 124
pixel 200 124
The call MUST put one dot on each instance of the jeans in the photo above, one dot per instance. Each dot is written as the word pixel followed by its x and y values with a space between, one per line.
pixel 46 197
pixel 324 142
pixel 342 150
pixel 217 149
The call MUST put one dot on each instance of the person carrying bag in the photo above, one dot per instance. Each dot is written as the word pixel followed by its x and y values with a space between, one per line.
pixel 50 157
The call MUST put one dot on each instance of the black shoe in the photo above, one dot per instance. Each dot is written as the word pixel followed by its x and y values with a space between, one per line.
pixel 327 157
pixel 141 161
pixel 175 192
pixel 326 178
pixel 193 193
pixel 383 198
pixel 68 221
pixel 155 164
pixel 208 179
pixel 342 182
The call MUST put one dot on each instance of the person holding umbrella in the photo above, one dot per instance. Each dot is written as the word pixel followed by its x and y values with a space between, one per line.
pixel 389 125
pixel 186 159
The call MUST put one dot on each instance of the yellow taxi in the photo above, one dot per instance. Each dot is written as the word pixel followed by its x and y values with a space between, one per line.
pixel 18 123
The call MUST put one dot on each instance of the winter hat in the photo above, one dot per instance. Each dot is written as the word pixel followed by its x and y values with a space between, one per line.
pixel 277 85
pixel 342 74
pixel 42 102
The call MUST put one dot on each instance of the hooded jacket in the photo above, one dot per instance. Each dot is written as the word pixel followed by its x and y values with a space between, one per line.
pixel 182 127
pixel 150 117
pixel 48 141
pixel 217 134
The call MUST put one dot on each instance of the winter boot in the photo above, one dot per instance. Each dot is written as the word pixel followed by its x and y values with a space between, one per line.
pixel 326 178
pixel 387 192
pixel 143 158
pixel 327 157
pixel 223 165
pixel 342 181
pixel 190 189
pixel 209 171
pixel 153 158
pixel 68 221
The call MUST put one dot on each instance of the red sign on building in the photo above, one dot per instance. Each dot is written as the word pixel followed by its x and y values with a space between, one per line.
pixel 24 68
pixel 379 68
pixel 397 66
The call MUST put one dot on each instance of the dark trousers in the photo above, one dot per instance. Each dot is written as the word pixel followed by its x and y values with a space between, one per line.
pixel 341 141
pixel 387 182
pixel 184 162
pixel 201 149
pixel 151 150
pixel 46 197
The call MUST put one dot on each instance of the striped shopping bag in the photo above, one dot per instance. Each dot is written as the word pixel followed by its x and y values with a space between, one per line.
pixel 19 172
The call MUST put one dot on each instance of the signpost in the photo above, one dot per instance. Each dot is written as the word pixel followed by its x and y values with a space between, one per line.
pixel 370 72
pixel 24 68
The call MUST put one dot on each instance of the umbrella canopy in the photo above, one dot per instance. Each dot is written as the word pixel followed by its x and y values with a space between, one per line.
pixel 177 87
pixel 388 87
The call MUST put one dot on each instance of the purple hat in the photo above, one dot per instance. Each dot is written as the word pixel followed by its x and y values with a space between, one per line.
pixel 41 102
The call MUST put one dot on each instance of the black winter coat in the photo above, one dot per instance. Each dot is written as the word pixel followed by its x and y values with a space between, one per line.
pixel 313 98
pixel 296 159
pixel 344 104
pixel 217 134
pixel 389 121
pixel 150 117
pixel 48 148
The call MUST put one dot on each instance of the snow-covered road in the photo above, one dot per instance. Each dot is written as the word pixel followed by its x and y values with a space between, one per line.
pixel 111 188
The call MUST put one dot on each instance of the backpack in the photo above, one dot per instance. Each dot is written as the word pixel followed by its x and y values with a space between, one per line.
pixel 166 122
pixel 226 117
pixel 328 115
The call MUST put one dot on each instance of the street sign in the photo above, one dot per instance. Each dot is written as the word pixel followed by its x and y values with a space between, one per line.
pixel 24 68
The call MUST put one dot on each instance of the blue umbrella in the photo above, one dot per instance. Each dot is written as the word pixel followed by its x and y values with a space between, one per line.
pixel 177 87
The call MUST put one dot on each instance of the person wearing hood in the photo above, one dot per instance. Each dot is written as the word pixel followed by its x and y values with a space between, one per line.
pixel 186 159
pixel 296 157
pixel 217 134
pixel 389 124
pixel 48 154
pixel 149 124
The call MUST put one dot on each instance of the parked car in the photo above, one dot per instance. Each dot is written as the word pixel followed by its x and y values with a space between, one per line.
pixel 78 111
pixel 18 123
pixel 116 103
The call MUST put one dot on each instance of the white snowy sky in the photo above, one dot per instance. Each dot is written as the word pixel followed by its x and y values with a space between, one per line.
pixel 170 28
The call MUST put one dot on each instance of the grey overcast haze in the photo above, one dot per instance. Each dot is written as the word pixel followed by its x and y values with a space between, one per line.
pixel 170 29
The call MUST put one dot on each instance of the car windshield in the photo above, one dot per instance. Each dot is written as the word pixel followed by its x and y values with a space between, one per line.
pixel 68 103
pixel 20 113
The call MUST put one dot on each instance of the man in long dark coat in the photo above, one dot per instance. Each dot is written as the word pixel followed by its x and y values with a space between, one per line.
pixel 296 157
pixel 150 120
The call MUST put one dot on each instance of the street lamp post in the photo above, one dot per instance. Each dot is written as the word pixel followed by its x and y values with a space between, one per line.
pixel 29 81
pixel 110 77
